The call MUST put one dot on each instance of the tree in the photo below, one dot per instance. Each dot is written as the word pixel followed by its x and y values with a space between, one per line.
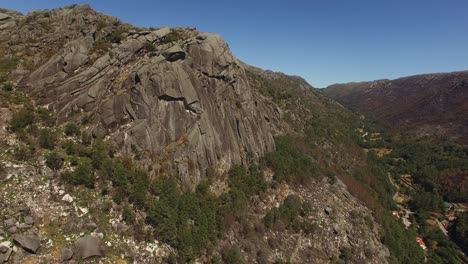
pixel 459 231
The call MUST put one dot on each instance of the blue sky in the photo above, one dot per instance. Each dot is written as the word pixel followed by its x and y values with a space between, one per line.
pixel 327 41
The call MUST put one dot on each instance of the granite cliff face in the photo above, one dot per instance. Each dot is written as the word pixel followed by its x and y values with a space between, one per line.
pixel 172 94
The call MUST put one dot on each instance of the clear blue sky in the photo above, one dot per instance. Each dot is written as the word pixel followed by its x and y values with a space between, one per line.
pixel 326 41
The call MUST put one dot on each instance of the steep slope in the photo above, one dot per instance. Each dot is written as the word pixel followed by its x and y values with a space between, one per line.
pixel 96 113
pixel 174 94
pixel 430 104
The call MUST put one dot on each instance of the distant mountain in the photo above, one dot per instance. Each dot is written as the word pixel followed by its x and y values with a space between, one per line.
pixel 429 104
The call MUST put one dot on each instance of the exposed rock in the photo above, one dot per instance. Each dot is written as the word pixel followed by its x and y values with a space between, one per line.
pixel 5 256
pixel 12 230
pixel 199 111
pixel 328 210
pixel 90 226
pixel 25 210
pixel 66 254
pixel 89 246
pixel 30 243
pixel 10 222
pixel 4 16
pixel 67 198
pixel 28 220
pixel 120 228
pixel 174 53
pixel 336 228
pixel 157 34
pixel 4 248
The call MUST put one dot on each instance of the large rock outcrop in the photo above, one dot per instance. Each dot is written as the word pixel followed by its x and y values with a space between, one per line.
pixel 173 94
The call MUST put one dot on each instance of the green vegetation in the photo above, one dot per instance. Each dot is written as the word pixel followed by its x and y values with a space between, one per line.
pixel 82 175
pixel 173 36
pixel 459 231
pixel 7 87
pixel 150 47
pixel 22 119
pixel 72 129
pixel 47 138
pixel 285 214
pixel 438 174
pixel 289 162
pixel 232 255
pixel 54 160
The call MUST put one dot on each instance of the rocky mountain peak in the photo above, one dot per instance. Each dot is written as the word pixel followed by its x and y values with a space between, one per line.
pixel 167 92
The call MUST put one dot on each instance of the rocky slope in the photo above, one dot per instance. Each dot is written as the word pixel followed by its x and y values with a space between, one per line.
pixel 174 94
pixel 430 104
pixel 175 102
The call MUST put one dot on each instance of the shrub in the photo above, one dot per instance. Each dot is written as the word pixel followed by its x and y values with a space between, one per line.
pixel 47 138
pixel 22 119
pixel 150 47
pixel 83 174
pixel 232 255
pixel 286 214
pixel 101 46
pixel 101 24
pixel 72 129
pixel 173 36
pixel 116 36
pixel 7 87
pixel 70 147
pixel 128 214
pixel 54 160
pixel 46 117
pixel 86 138
pixel 23 152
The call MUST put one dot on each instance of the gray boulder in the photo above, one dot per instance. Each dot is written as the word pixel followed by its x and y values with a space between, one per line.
pixel 120 228
pixel 89 246
pixel 4 16
pixel 30 243
pixel 5 256
pixel 158 34
pixel 4 248
pixel 29 220
pixel 174 53
pixel 66 254
pixel 10 222
pixel 12 230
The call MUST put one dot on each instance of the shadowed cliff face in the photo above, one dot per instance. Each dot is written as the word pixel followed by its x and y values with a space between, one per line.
pixel 173 94
pixel 432 104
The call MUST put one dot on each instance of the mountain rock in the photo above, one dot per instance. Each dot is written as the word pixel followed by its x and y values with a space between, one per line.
pixel 89 246
pixel 30 243
pixel 194 106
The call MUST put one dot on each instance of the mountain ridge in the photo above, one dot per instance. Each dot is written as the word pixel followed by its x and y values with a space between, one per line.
pixel 427 104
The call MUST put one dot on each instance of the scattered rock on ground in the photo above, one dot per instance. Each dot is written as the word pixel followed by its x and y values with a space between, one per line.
pixel 30 243
pixel 67 254
pixel 89 246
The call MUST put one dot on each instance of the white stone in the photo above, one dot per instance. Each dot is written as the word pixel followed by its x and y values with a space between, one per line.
pixel 67 198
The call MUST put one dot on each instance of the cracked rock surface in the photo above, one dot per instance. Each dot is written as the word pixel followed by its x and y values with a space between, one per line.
pixel 187 100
